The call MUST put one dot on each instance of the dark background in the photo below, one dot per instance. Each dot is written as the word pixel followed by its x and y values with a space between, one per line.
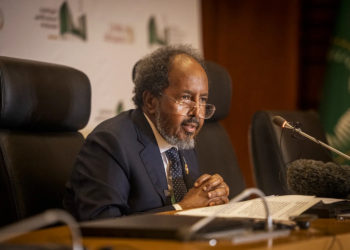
pixel 275 51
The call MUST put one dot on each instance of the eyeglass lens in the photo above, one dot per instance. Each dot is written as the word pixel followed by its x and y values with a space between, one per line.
pixel 205 110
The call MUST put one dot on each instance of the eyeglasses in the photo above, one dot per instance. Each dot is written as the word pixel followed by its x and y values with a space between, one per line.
pixel 185 106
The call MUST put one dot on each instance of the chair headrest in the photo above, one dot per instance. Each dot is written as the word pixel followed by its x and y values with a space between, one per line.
pixel 42 96
pixel 220 89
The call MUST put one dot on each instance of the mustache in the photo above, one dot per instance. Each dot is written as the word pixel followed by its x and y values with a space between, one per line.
pixel 191 120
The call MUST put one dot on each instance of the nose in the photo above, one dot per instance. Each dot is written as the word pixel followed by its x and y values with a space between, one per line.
pixel 195 110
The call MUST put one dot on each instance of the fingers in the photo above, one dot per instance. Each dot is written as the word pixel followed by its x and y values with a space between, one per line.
pixel 212 189
pixel 219 195
pixel 220 191
pixel 218 201
pixel 195 197
pixel 203 178
pixel 227 189
pixel 212 183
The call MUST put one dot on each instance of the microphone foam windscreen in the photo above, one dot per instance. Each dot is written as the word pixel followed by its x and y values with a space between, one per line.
pixel 311 177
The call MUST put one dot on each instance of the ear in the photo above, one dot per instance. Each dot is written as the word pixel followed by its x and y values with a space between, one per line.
pixel 150 103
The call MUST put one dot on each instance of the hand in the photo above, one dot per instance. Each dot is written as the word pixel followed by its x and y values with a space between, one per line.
pixel 216 188
pixel 194 198
pixel 207 191
pixel 219 195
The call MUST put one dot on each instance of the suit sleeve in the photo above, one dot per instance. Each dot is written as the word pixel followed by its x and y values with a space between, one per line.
pixel 99 181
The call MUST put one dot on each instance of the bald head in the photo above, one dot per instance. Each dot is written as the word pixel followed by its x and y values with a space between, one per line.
pixel 185 69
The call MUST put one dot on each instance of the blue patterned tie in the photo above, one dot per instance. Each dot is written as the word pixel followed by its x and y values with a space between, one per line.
pixel 177 179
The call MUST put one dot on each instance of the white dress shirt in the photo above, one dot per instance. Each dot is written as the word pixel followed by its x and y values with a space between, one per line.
pixel 163 146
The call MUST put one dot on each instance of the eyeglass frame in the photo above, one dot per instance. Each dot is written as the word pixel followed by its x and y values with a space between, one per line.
pixel 191 107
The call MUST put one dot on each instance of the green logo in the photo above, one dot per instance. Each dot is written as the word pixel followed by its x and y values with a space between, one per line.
pixel 120 107
pixel 154 37
pixel 67 24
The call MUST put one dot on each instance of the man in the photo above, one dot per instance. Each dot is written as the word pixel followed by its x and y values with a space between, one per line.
pixel 143 159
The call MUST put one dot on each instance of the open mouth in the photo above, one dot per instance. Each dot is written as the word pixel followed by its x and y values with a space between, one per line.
pixel 190 128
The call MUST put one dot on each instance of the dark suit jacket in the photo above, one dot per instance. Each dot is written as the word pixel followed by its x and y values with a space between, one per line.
pixel 119 171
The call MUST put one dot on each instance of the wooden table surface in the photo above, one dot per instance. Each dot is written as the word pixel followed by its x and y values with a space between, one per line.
pixel 323 234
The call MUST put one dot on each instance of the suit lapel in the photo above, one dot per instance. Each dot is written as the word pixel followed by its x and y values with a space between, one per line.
pixel 150 155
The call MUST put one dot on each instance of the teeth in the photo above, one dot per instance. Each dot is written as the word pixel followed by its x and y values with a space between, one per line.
pixel 190 125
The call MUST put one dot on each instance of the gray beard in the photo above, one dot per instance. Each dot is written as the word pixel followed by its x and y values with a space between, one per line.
pixel 188 143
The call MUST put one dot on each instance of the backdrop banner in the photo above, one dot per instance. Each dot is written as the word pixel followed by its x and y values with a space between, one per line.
pixel 102 38
pixel 335 106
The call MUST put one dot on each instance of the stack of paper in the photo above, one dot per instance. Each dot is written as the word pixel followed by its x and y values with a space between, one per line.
pixel 281 208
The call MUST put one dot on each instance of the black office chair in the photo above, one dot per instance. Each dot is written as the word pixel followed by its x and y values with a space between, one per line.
pixel 272 147
pixel 42 107
pixel 214 149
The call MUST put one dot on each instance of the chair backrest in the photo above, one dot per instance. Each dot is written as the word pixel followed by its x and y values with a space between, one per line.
pixel 272 147
pixel 214 149
pixel 42 108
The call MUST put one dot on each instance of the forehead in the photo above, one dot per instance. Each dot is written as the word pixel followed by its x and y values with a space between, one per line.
pixel 186 74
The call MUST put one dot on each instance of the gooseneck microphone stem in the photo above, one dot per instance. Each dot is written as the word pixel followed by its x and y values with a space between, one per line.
pixel 280 121
pixel 321 143
pixel 44 219
pixel 246 193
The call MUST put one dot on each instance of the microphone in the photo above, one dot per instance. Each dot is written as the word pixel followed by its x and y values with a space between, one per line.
pixel 311 177
pixel 244 194
pixel 281 122
pixel 269 233
pixel 46 218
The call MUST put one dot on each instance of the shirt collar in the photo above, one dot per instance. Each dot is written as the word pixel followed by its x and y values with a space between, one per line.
pixel 162 143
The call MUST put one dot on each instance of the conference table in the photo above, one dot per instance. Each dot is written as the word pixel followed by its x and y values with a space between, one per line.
pixel 322 234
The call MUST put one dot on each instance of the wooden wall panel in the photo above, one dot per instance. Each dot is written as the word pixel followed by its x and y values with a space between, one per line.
pixel 317 22
pixel 257 41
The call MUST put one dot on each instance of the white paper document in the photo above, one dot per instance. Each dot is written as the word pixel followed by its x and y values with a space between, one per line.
pixel 281 208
